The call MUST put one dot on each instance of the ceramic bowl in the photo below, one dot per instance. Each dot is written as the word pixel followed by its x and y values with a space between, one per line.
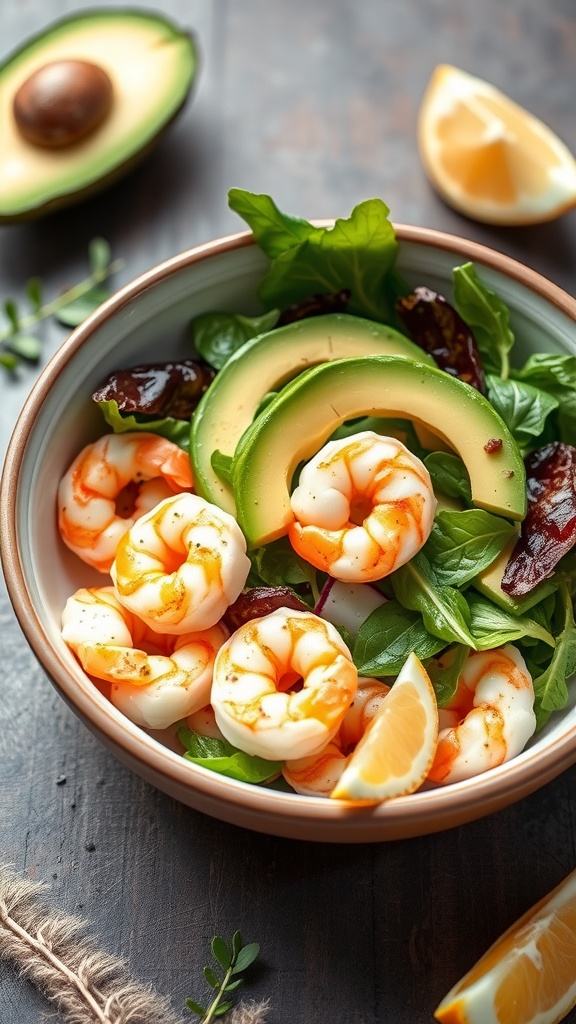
pixel 144 322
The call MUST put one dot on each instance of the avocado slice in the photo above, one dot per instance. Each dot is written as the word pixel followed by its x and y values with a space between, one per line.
pixel 265 364
pixel 488 583
pixel 307 411
pixel 151 65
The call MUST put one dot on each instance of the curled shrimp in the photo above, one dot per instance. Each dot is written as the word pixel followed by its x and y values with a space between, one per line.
pixel 282 685
pixel 181 565
pixel 155 680
pixel 318 775
pixel 88 516
pixel 364 506
pixel 489 719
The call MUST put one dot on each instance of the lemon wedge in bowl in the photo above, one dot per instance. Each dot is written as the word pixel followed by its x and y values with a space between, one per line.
pixel 488 157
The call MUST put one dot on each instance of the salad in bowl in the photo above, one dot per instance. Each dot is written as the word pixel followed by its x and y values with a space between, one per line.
pixel 323 555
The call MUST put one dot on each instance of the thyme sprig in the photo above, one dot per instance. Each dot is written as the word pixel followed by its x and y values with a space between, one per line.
pixel 17 339
pixel 232 960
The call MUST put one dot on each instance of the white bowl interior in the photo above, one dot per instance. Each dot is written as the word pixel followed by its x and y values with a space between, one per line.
pixel 151 326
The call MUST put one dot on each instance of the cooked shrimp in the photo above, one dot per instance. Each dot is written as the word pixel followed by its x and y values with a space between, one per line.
pixel 181 565
pixel 489 719
pixel 318 775
pixel 364 506
pixel 155 680
pixel 282 685
pixel 88 515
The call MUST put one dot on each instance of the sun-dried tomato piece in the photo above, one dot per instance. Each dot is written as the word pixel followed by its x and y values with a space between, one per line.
pixel 549 529
pixel 261 601
pixel 158 389
pixel 438 329
pixel 316 305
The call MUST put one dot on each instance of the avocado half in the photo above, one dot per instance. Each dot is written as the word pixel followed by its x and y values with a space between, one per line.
pixel 152 66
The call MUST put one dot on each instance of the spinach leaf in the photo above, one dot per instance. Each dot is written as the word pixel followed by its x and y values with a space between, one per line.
pixel 357 253
pixel 523 407
pixel 555 374
pixel 550 686
pixel 177 431
pixel 461 544
pixel 449 475
pixel 445 672
pixel 491 626
pixel 222 465
pixel 487 316
pixel 443 608
pixel 221 757
pixel 386 638
pixel 277 565
pixel 217 336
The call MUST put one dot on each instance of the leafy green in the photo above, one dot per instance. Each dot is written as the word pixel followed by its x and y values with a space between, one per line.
pixel 222 465
pixel 550 686
pixel 445 672
pixel 491 626
pixel 232 962
pixel 278 565
pixel 556 375
pixel 463 543
pixel 217 336
pixel 487 316
pixel 523 408
pixel 221 757
pixel 449 475
pixel 443 608
pixel 357 253
pixel 177 431
pixel 387 636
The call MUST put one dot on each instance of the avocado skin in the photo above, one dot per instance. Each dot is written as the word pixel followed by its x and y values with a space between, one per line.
pixel 46 206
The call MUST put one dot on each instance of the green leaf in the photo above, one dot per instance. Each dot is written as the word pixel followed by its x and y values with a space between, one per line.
pixel 445 672
pixel 555 374
pixel 246 956
pixel 212 978
pixel 26 347
pixel 75 312
pixel 236 943
pixel 221 757
pixel 8 360
pixel 222 465
pixel 220 952
pixel 523 407
pixel 11 311
pixel 222 1009
pixel 99 256
pixel 449 475
pixel 387 637
pixel 491 626
pixel 443 608
pixel 34 293
pixel 277 565
pixel 196 1008
pixel 550 686
pixel 487 316
pixel 275 232
pixel 233 985
pixel 463 543
pixel 217 336
pixel 177 431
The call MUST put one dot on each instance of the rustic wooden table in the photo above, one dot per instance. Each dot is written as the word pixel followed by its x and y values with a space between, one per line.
pixel 316 104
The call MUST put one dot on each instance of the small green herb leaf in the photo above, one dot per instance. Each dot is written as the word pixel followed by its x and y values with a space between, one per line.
pixel 26 347
pixel 197 1008
pixel 212 978
pixel 75 312
pixel 11 311
pixel 220 952
pixel 34 293
pixel 233 959
pixel 245 957
pixel 99 256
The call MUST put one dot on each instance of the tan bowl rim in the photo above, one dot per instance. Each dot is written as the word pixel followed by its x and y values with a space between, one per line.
pixel 490 791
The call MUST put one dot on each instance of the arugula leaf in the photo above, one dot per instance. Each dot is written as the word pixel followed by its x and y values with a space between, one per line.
pixel 217 336
pixel 443 608
pixel 550 686
pixel 556 375
pixel 523 407
pixel 487 316
pixel 357 253
pixel 177 431
pixel 274 231
pixel 221 757
pixel 464 543
pixel 449 475
pixel 445 672
pixel 491 626
pixel 386 636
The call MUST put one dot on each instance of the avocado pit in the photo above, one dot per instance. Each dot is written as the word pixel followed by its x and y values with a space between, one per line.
pixel 62 102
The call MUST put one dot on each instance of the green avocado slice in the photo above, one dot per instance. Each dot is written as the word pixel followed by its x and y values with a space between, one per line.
pixel 152 66
pixel 267 363
pixel 306 412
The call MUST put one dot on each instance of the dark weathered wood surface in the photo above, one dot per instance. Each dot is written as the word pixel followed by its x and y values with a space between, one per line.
pixel 316 104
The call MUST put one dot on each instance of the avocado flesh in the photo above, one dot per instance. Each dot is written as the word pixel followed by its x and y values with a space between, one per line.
pixel 488 583
pixel 265 364
pixel 306 412
pixel 151 65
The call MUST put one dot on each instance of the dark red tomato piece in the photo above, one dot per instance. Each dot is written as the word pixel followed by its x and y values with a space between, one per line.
pixel 159 389
pixel 549 529
pixel 261 601
pixel 438 329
